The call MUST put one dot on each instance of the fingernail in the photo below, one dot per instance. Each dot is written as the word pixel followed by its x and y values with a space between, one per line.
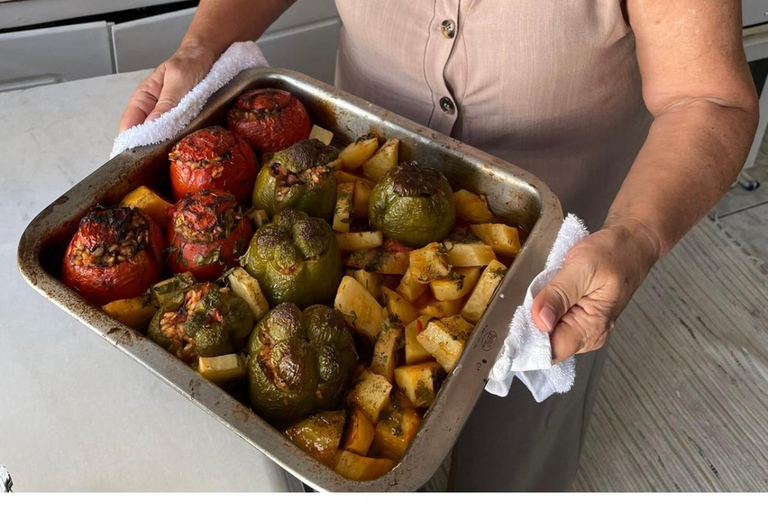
pixel 152 117
pixel 548 317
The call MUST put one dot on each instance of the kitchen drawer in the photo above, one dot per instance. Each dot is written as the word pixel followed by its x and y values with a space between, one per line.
pixel 57 54
pixel 754 12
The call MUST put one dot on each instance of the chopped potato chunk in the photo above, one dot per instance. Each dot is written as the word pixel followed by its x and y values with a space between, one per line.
pixel 504 239
pixel 481 295
pixel 439 308
pixel 429 263
pixel 371 394
pixel 359 240
pixel 414 352
pixel 258 217
pixel 370 280
pixel 385 159
pixel 362 311
pixel 384 359
pixel 357 153
pixel 149 202
pixel 420 382
pixel 345 177
pixel 342 214
pixel 321 134
pixel 361 198
pixel 445 339
pixel 459 283
pixel 135 312
pixel 401 309
pixel 359 433
pixel 221 369
pixel 471 207
pixel 353 466
pixel 247 288
pixel 395 431
pixel 319 435
pixel 379 261
pixel 410 288
pixel 474 254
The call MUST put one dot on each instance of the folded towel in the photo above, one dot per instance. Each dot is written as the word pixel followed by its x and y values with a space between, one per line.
pixel 238 57
pixel 527 353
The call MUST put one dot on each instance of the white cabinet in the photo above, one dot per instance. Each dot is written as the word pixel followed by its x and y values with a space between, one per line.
pixel 754 12
pixel 56 54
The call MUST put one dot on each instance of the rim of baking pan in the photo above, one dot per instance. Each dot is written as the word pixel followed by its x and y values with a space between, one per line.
pixel 460 391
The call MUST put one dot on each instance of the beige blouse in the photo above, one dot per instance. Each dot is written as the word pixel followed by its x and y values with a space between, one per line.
pixel 550 85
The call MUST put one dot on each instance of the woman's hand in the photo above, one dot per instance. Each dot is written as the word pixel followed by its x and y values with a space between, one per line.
pixel 580 305
pixel 167 84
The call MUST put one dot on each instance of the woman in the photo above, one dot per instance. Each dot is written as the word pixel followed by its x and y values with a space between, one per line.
pixel 637 113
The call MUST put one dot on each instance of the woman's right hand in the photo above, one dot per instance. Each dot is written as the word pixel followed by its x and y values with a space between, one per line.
pixel 167 84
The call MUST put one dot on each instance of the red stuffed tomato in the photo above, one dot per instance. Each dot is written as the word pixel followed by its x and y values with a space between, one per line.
pixel 270 119
pixel 213 158
pixel 207 234
pixel 117 253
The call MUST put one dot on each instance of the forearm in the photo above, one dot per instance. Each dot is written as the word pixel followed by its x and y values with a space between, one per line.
pixel 245 20
pixel 693 153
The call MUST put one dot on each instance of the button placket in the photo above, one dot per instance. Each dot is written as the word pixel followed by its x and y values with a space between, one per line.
pixel 442 38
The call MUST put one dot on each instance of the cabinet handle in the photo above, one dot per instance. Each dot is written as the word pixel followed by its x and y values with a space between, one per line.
pixel 28 82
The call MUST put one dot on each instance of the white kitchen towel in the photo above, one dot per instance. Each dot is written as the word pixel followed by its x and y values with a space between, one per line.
pixel 238 57
pixel 527 353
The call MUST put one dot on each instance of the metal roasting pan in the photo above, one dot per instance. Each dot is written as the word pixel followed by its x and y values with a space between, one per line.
pixel 514 195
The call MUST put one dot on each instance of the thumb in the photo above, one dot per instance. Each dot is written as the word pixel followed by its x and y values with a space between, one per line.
pixel 556 298
pixel 174 88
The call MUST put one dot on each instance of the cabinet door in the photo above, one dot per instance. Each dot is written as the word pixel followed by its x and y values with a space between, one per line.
pixel 57 54
pixel 754 12
pixel 304 38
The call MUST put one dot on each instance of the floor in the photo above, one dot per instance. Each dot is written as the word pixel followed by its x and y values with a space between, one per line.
pixel 689 414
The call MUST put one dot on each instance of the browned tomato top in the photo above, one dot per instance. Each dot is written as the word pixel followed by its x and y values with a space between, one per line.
pixel 212 144
pixel 206 216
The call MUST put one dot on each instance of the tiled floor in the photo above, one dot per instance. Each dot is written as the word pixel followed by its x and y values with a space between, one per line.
pixel 743 215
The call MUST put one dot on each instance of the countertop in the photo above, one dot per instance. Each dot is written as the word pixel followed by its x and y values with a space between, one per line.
pixel 76 413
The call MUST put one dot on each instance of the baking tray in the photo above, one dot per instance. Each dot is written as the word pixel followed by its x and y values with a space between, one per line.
pixel 514 195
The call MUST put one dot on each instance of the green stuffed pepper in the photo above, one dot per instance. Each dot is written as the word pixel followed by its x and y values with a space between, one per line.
pixel 299 362
pixel 413 205
pixel 205 320
pixel 299 178
pixel 295 259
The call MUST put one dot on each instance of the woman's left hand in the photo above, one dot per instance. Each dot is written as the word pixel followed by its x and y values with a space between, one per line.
pixel 582 302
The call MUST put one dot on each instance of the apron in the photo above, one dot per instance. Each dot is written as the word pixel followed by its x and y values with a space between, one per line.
pixel 552 86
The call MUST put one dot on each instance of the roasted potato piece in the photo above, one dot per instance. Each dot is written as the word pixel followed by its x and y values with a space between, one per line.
pixel 384 360
pixel 471 207
pixel 395 431
pixel 342 215
pixel 357 153
pixel 438 308
pixel 258 217
pixel 420 382
pixel 370 280
pixel 135 312
pixel 401 309
pixel 221 369
pixel 445 339
pixel 504 240
pixel 379 261
pixel 361 310
pixel 247 288
pixel 429 263
pixel 319 435
pixel 359 240
pixel 410 288
pixel 481 295
pixel 149 202
pixel 472 254
pixel 361 198
pixel 371 394
pixel 414 352
pixel 355 467
pixel 171 291
pixel 344 177
pixel 459 283
pixel 321 134
pixel 359 434
pixel 385 159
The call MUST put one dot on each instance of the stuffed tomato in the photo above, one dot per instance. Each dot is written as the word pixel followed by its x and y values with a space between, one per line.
pixel 207 234
pixel 115 254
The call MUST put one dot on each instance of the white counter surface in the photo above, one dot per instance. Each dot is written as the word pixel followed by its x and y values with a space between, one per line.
pixel 75 412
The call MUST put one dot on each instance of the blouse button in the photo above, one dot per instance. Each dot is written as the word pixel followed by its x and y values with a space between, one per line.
pixel 447 105
pixel 448 27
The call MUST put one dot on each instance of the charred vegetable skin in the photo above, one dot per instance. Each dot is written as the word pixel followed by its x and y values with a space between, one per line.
pixel 299 362
pixel 295 259
pixel 213 158
pixel 207 234
pixel 298 178
pixel 269 119
pixel 413 205
pixel 116 253
pixel 203 320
